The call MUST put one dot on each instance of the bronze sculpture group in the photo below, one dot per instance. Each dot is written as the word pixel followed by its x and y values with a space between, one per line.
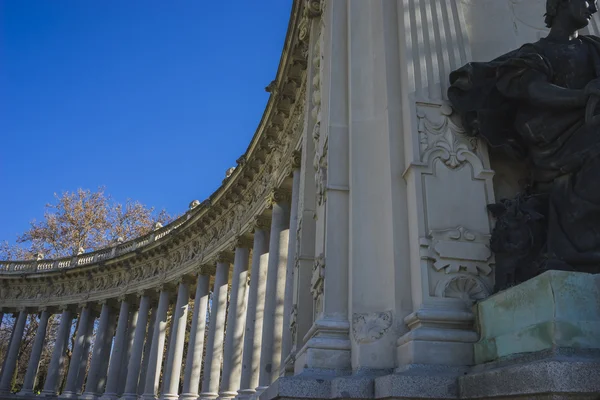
pixel 539 103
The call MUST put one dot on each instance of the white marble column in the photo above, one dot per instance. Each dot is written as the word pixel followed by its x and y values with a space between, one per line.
pixel 102 345
pixel 256 307
pixel 36 352
pixel 12 353
pixel 114 369
pixel 177 337
pixel 147 348
pixel 287 359
pixel 57 361
pixel 236 322
pixel 135 360
pixel 214 346
pixel 158 346
pixel 131 326
pixel 79 355
pixel 193 362
pixel 270 355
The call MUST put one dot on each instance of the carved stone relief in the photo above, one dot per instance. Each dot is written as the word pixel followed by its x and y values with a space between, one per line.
pixel 370 327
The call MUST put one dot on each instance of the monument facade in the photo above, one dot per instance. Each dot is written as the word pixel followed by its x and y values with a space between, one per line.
pixel 352 252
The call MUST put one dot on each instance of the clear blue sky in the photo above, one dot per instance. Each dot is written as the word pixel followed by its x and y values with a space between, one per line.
pixel 153 99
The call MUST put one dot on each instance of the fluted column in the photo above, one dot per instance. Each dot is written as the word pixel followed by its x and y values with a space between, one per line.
pixel 270 356
pixel 158 346
pixel 177 338
pixel 147 349
pixel 36 352
pixel 236 321
pixel 58 354
pixel 128 348
pixel 10 361
pixel 102 345
pixel 114 369
pixel 78 356
pixel 214 346
pixel 287 359
pixel 135 360
pixel 255 311
pixel 193 362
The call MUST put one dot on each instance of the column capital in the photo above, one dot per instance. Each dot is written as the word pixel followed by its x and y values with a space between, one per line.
pixel 206 269
pixel 279 195
pixel 314 8
pixel 261 222
pixel 244 241
pixel 224 257
pixel 296 159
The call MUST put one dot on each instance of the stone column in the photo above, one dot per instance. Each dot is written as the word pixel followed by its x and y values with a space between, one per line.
pixel 12 353
pixel 57 361
pixel 214 346
pixel 114 369
pixel 131 326
pixel 147 348
pixel 177 338
pixel 256 307
pixel 79 355
pixel 97 373
pixel 133 369
pixel 287 359
pixel 236 322
pixel 193 361
pixel 158 346
pixel 270 355
pixel 89 336
pixel 36 352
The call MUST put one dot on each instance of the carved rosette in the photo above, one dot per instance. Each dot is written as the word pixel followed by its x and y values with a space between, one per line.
pixel 370 327
pixel 317 282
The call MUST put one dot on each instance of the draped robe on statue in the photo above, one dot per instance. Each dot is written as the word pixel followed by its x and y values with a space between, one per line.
pixel 562 151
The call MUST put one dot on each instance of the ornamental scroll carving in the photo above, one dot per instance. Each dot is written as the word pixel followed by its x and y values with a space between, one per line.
pixel 458 249
pixel 317 282
pixel 464 287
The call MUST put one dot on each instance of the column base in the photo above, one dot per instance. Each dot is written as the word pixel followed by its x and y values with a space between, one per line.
pixel 208 396
pixel 438 336
pixel 25 392
pixel 89 396
pixel 188 396
pixel 129 396
pixel 68 395
pixel 48 393
pixel 227 395
pixel 109 396
pixel 169 396
pixel 327 347
pixel 148 396
pixel 245 394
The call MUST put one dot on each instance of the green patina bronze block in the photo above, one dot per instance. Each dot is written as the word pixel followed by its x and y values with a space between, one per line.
pixel 556 309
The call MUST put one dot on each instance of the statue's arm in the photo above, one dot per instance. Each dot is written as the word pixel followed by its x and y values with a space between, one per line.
pixel 542 93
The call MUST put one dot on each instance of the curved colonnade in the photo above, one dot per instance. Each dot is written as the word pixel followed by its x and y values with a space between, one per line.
pixel 234 255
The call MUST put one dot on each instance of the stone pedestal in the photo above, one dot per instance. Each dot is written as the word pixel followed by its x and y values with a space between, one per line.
pixel 556 309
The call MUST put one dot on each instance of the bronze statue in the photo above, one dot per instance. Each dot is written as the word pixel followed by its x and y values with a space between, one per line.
pixel 539 103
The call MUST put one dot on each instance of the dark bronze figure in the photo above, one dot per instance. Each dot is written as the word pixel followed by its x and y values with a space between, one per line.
pixel 540 103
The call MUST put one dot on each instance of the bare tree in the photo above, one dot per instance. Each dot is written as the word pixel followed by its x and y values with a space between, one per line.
pixel 82 221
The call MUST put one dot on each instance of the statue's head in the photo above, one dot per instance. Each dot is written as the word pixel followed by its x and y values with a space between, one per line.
pixel 578 12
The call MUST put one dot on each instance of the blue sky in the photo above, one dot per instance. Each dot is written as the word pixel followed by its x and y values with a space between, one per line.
pixel 153 99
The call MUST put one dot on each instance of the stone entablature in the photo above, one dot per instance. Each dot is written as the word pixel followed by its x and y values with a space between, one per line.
pixel 192 242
